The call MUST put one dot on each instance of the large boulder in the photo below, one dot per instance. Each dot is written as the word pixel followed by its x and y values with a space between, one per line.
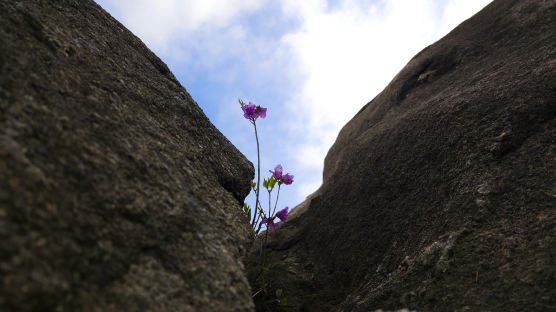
pixel 116 192
pixel 440 194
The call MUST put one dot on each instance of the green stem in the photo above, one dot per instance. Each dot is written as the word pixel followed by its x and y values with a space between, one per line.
pixel 260 214
pixel 276 204
pixel 263 243
pixel 258 171
pixel 269 206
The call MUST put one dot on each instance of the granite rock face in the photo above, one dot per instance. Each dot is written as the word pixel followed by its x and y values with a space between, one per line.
pixel 440 194
pixel 116 192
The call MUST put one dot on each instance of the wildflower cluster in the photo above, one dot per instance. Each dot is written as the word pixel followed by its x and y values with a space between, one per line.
pixel 252 112
pixel 277 174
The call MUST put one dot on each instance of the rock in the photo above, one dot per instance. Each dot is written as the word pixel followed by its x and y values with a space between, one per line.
pixel 116 192
pixel 417 210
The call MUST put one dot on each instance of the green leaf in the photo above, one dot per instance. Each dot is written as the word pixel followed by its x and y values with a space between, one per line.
pixel 247 209
pixel 265 183
pixel 284 301
pixel 241 102
pixel 253 184
pixel 279 292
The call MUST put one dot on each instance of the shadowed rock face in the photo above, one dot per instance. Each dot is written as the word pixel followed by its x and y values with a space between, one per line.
pixel 116 192
pixel 440 194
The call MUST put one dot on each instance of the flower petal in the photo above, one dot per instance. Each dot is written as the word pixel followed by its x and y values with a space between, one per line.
pixel 277 173
pixel 283 214
pixel 288 179
pixel 249 111
pixel 262 112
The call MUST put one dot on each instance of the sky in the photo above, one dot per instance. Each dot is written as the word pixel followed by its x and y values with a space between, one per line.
pixel 312 63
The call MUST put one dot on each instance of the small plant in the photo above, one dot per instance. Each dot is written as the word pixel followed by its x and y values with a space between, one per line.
pixel 252 112
pixel 280 298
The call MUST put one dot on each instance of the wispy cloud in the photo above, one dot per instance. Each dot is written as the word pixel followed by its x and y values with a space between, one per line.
pixel 160 23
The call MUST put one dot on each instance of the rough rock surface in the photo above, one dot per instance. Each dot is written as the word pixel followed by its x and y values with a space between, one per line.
pixel 116 192
pixel 440 194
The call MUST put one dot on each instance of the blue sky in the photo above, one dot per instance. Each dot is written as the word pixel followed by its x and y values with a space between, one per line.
pixel 312 63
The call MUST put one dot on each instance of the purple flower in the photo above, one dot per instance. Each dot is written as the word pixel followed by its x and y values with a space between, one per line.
pixel 277 173
pixel 252 111
pixel 269 223
pixel 249 111
pixel 283 214
pixel 261 111
pixel 288 179
pixel 276 301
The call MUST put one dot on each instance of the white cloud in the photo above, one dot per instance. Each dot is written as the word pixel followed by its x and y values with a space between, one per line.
pixel 163 23
pixel 456 11
pixel 349 54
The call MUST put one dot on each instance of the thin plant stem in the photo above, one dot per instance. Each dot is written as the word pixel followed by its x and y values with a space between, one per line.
pixel 263 243
pixel 260 214
pixel 255 294
pixel 276 203
pixel 269 215
pixel 269 205
pixel 258 171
